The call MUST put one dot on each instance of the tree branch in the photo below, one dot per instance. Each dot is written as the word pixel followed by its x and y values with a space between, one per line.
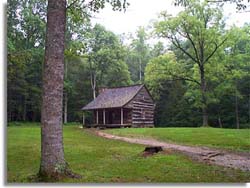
pixel 192 43
pixel 215 49
pixel 186 79
pixel 177 44
pixel 178 77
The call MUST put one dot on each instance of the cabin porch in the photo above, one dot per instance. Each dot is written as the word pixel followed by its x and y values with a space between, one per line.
pixel 112 117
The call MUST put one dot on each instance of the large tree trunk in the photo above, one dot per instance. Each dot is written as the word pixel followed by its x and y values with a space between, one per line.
pixel 65 96
pixel 65 107
pixel 203 97
pixel 53 164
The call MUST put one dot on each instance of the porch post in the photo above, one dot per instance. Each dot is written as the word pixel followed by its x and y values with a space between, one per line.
pixel 104 117
pixel 121 116
pixel 83 119
pixel 97 117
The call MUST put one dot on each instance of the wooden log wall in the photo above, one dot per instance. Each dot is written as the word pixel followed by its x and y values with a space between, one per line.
pixel 142 109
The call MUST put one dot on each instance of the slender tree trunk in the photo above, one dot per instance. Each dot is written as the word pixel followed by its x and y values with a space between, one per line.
pixel 92 78
pixel 53 164
pixel 219 115
pixel 237 111
pixel 203 97
pixel 219 120
pixel 93 84
pixel 94 92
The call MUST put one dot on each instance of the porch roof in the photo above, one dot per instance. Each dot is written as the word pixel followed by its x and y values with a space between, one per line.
pixel 113 97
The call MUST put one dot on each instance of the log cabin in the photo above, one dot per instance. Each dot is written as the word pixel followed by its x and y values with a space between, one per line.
pixel 129 106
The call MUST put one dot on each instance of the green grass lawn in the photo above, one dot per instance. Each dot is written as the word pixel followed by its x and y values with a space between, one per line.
pixel 100 160
pixel 232 139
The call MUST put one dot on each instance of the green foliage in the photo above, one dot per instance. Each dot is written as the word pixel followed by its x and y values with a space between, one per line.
pixel 159 70
pixel 241 5
pixel 157 50
pixel 26 34
pixel 26 31
pixel 197 32
pixel 201 45
pixel 77 86
pixel 163 76
pixel 171 75
pixel 99 160
pixel 138 55
pixel 106 58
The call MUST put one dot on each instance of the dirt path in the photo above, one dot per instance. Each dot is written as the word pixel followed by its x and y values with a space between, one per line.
pixel 204 154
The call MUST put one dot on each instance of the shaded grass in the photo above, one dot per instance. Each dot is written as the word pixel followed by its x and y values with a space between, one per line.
pixel 104 161
pixel 232 139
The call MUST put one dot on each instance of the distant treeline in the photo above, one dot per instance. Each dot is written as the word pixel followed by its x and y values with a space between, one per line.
pixel 201 76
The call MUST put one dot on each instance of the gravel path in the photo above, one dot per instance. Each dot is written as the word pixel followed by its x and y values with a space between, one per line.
pixel 213 156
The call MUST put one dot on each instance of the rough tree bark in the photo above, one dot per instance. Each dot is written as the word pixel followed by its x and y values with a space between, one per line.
pixel 53 164
pixel 65 96
pixel 65 107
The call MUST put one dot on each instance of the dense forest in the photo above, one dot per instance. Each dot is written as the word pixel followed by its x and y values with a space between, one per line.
pixel 196 68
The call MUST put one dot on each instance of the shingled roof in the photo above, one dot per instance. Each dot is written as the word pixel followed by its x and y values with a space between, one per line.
pixel 113 97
